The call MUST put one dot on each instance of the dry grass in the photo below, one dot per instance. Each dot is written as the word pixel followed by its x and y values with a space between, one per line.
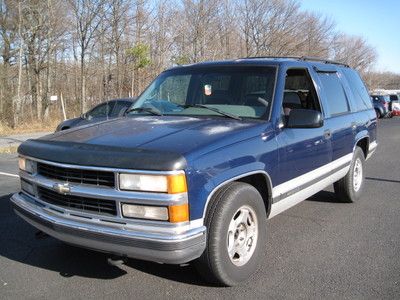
pixel 29 127
pixel 8 149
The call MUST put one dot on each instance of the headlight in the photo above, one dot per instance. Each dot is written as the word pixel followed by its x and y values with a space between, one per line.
pixel 26 165
pixel 171 184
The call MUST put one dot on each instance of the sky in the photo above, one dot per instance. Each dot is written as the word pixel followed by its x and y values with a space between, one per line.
pixel 378 21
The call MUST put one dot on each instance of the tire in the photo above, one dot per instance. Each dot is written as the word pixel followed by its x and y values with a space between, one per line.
pixel 378 113
pixel 349 188
pixel 236 216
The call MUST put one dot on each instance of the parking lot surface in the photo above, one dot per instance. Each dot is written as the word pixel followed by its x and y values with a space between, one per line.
pixel 321 248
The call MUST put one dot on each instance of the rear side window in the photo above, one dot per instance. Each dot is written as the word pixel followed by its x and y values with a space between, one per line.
pixel 337 101
pixel 359 90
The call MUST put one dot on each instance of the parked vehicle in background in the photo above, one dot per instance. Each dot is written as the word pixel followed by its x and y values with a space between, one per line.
pixel 381 105
pixel 203 158
pixel 107 110
pixel 395 104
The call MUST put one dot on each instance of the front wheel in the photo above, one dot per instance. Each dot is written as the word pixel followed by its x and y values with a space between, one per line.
pixel 349 188
pixel 236 235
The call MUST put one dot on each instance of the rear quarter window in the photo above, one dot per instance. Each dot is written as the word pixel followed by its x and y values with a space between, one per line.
pixel 335 95
pixel 358 88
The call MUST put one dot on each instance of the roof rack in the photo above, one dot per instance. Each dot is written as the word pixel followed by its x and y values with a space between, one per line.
pixel 326 61
pixel 303 58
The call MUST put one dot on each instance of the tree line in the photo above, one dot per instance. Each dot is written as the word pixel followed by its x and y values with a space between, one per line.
pixel 87 51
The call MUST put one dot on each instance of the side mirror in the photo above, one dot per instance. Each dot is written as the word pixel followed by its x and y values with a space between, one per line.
pixel 304 118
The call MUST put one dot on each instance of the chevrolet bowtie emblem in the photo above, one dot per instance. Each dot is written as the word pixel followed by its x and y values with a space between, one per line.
pixel 62 188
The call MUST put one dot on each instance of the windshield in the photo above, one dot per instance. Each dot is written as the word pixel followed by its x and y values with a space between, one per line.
pixel 233 92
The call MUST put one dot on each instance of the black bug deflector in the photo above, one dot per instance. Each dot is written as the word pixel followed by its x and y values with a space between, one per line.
pixel 102 155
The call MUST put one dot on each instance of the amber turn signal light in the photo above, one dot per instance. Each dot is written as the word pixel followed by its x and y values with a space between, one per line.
pixel 177 184
pixel 178 213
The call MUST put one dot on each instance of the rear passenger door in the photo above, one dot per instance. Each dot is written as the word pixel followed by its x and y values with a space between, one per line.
pixel 364 116
pixel 339 123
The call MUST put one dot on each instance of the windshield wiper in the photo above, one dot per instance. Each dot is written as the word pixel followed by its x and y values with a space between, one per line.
pixel 153 111
pixel 226 114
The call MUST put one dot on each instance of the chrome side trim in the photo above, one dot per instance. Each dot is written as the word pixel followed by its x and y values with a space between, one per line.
pixel 310 176
pixel 294 183
pixel 286 203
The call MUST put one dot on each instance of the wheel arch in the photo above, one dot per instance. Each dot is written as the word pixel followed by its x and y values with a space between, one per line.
pixel 363 143
pixel 260 179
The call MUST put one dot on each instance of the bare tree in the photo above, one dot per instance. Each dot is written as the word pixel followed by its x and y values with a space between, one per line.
pixel 87 16
pixel 91 50
pixel 354 51
pixel 7 52
pixel 314 35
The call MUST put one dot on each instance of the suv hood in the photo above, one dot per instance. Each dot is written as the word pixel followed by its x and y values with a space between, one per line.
pixel 143 142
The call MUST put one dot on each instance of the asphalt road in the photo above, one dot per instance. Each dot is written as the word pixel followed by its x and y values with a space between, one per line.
pixel 318 249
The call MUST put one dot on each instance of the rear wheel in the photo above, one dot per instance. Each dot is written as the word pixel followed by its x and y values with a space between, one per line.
pixel 349 188
pixel 236 235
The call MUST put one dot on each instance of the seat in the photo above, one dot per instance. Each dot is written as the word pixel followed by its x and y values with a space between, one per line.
pixel 291 100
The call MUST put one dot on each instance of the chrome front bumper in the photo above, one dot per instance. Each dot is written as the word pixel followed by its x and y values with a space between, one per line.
pixel 173 245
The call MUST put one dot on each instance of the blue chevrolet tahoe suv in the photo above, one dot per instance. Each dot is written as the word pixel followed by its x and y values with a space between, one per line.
pixel 201 160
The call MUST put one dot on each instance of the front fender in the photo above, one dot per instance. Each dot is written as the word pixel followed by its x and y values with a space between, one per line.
pixel 212 171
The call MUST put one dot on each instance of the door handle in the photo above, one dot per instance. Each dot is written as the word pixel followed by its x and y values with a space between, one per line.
pixel 327 134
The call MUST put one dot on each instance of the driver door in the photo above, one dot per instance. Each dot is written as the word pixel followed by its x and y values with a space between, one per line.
pixel 301 150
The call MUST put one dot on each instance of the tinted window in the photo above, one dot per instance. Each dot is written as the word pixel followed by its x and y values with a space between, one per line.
pixel 236 90
pixel 120 107
pixel 337 101
pixel 358 89
pixel 394 97
pixel 174 89
pixel 215 89
pixel 299 92
pixel 101 111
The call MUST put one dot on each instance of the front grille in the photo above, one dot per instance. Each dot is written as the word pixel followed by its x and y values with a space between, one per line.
pixel 92 205
pixel 93 177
